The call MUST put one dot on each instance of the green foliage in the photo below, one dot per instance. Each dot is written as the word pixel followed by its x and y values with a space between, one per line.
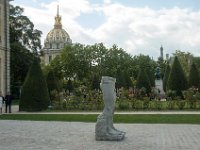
pixel 120 81
pixel 166 77
pixel 95 82
pixel 22 30
pixel 146 104
pixel 158 105
pixel 34 94
pixel 193 80
pixel 162 65
pixel 123 105
pixel 21 60
pixel 171 104
pixel 177 80
pixel 69 86
pixel 181 104
pixel 52 82
pixel 185 58
pixel 191 94
pixel 143 80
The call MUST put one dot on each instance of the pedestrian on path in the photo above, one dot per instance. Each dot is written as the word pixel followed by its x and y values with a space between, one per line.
pixel 8 100
pixel 1 102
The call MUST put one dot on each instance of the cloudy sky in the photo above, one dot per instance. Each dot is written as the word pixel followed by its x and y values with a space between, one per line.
pixel 137 26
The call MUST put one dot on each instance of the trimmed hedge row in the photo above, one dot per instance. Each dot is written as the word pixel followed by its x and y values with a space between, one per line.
pixel 134 105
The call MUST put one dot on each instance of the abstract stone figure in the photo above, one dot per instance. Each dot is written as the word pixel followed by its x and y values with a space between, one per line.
pixel 104 130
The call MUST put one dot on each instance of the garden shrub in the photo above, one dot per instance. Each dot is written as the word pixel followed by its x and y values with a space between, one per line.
pixel 192 104
pixel 123 105
pixel 181 104
pixel 34 93
pixel 137 104
pixel 146 104
pixel 177 80
pixel 171 104
pixel 158 105
pixel 171 94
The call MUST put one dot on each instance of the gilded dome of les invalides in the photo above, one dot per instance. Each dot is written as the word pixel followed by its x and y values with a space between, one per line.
pixel 57 38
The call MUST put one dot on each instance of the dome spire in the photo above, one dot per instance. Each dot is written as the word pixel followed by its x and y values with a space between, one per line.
pixel 58 10
pixel 58 24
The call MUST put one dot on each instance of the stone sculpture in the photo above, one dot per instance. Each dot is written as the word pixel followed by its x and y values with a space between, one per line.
pixel 105 130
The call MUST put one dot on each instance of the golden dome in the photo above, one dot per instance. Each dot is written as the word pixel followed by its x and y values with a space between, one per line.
pixel 57 38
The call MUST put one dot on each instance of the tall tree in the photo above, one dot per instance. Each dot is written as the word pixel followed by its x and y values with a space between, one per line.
pixel 95 82
pixel 34 94
pixel 166 77
pixel 22 30
pixel 52 82
pixel 143 80
pixel 21 60
pixel 193 79
pixel 24 40
pixel 177 80
pixel 185 59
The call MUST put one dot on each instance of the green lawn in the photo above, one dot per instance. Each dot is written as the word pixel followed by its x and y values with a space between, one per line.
pixel 121 118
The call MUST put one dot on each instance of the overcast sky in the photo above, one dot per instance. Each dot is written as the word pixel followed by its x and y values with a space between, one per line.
pixel 137 26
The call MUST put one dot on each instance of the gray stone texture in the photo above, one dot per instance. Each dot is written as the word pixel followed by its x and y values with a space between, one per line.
pixel 37 135
pixel 104 129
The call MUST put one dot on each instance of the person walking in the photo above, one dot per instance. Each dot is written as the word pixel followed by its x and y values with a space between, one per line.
pixel 8 100
pixel 1 102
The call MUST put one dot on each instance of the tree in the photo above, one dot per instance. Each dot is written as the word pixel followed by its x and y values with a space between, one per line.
pixel 177 80
pixel 22 30
pixel 52 82
pixel 146 62
pixel 24 40
pixel 95 82
pixel 34 94
pixel 143 80
pixel 120 80
pixel 21 60
pixel 193 79
pixel 69 86
pixel 128 82
pixel 185 59
pixel 166 77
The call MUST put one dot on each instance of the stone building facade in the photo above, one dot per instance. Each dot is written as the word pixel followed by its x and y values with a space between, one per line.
pixel 55 40
pixel 4 47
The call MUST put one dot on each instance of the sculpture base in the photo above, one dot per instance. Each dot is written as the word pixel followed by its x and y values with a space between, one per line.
pixel 110 137
pixel 106 132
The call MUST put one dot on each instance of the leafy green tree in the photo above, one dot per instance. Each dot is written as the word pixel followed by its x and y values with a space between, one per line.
pixel 52 82
pixel 69 86
pixel 146 62
pixel 120 80
pixel 193 79
pixel 22 30
pixel 34 94
pixel 162 65
pixel 128 82
pixel 196 60
pixel 95 82
pixel 21 60
pixel 166 77
pixel 24 40
pixel 185 59
pixel 177 80
pixel 143 80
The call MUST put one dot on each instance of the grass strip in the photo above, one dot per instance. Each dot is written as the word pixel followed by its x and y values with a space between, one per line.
pixel 118 118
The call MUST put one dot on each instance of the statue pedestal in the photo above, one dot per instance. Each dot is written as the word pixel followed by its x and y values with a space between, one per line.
pixel 159 86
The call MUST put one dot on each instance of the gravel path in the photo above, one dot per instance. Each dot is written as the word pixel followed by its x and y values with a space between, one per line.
pixel 38 135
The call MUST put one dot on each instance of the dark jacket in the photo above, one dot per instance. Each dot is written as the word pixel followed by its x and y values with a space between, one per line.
pixel 8 99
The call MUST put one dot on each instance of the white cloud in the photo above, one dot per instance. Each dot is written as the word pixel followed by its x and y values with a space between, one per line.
pixel 137 30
